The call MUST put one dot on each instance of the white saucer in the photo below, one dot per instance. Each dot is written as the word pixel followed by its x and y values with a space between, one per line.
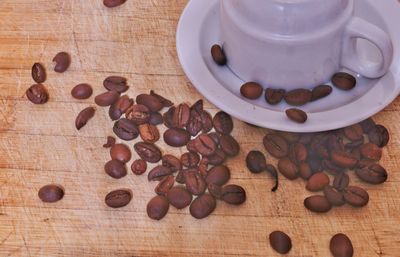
pixel 199 29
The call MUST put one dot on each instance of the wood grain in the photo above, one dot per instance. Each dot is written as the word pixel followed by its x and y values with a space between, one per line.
pixel 39 145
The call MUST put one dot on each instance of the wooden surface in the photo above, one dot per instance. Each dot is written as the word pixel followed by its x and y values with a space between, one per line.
pixel 39 145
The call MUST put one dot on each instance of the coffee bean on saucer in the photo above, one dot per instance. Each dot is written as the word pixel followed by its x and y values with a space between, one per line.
pixel 251 90
pixel 276 145
pixel 83 117
pixel 138 167
pixel 334 196
pixel 317 182
pixel 38 73
pixel 121 153
pixel 280 242
pixel 274 96
pixel 371 151
pixel 106 98
pixel 37 94
pixel 218 55
pixel 317 203
pixel 256 162
pixel 223 123
pixel 344 81
pixel 125 129
pixel 148 152
pixel 51 193
pixel 341 246
pixel 179 197
pixel 115 169
pixel 296 115
pixel 356 196
pixel 373 174
pixel 202 206
pixel 150 101
pixel 118 198
pixel 298 97
pixel 165 185
pixel 320 92
pixel 157 207
pixel 62 62
pixel 82 91
pixel 176 137
pixel 116 83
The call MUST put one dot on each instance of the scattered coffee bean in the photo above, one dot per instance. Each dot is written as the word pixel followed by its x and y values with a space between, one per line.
pixel 179 197
pixel 206 121
pixel 280 242
pixel 121 153
pixel 165 185
pixel 194 182
pixel 181 115
pixel 298 153
pixel 116 83
pixel 148 152
pixel 138 113
pixel 288 169
pixel 354 132
pixel 38 73
pixel 218 55
pixel 51 193
pixel 171 162
pixel 164 101
pixel 233 194
pixel 356 196
pixel 168 117
pixel 229 145
pixel 341 181
pixel 113 3
pixel 125 129
pixel 218 175
pixel 379 136
pixel 62 62
pixel 317 182
pixel 217 158
pixel 206 146
pixel 334 196
pixel 115 169
pixel 296 115
pixel 276 145
pixel 110 142
pixel 298 97
pixel 320 92
pixel 82 91
pixel 83 117
pixel 190 159
pixel 373 174
pixel 256 162
pixel 215 190
pixel 223 123
pixel 371 151
pixel 118 198
pixel 343 159
pixel 341 246
pixel 155 118
pixel 202 206
pixel 106 98
pixel 149 133
pixel 176 137
pixel 251 90
pixel 305 170
pixel 344 81
pixel 317 203
pixel 150 101
pixel 157 207
pixel 274 96
pixel 37 94
pixel 139 167
pixel 120 107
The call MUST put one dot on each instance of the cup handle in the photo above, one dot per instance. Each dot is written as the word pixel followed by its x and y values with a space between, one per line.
pixel 359 28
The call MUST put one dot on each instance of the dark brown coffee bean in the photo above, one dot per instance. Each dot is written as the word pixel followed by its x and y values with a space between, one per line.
pixel 371 151
pixel 110 142
pixel 176 137
pixel 165 185
pixel 107 98
pixel 328 166
pixel 341 181
pixel 194 182
pixel 256 162
pixel 215 190
pixel 379 136
pixel 157 207
pixel 206 121
pixel 171 162
pixel 296 115
pixel 179 197
pixel 218 55
pixel 317 203
pixel 276 145
pixel 251 90
pixel 168 117
pixel 180 177
pixel 218 175
pixel 233 194
pixel 356 196
pixel 138 113
pixel 274 96
pixel 37 94
pixel 190 159
pixel 206 146
pixel 125 129
pixel 290 137
pixel 344 81
pixel 191 147
pixel 83 117
pixel 334 196
pixel 305 170
pixel 62 62
pixel 229 145
pixel 217 158
pixel 156 118
pixel 385 135
pixel 120 107
pixel 305 138
pixel 151 102
pixel 113 3
pixel 354 132
pixel 367 125
pixel 298 97
pixel 148 152
pixel 373 174
pixel 198 106
pixel 118 198
pixel 149 133
pixel 116 83
pixel 121 153
pixel 354 145
pixel 38 73
pixel 341 246
pixel 115 169
pixel 139 167
pixel 272 170
pixel 82 91
pixel 343 159
pixel 365 163
pixel 288 169
pixel 164 101
pixel 223 123
pixel 51 193
pixel 194 125
pixel 320 92
pixel 317 182
pixel 215 137
pixel 298 153
pixel 181 115
pixel 158 173
pixel 280 242
pixel 335 143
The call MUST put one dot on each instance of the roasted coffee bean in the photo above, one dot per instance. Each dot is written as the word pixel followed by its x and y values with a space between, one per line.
pixel 151 102
pixel 321 151
pixel 341 181
pixel 280 242
pixel 51 193
pixel 256 162
pixel 215 137
pixel 334 196
pixel 83 117
pixel 138 113
pixel 317 203
pixel 218 55
pixel 194 182
pixel 190 146
pixel 38 73
pixel 343 159
pixel 356 196
pixel 296 115
pixel 203 166
pixel 181 115
pixel 176 137
pixel 272 170
pixel 179 197
pixel 198 105
pixel 149 133
pixel 115 169
pixel 62 62
pixel 276 145
pixel 373 174
pixel 157 207
pixel 355 152
pixel 233 194
pixel 110 142
pixel 328 166
pixel 202 206
pixel 320 92
pixel 379 136
pixel 215 190
pixel 120 107
pixel 113 3
pixel 341 246
pixel 194 125
pixel 206 121
pixel 365 163
pixel 190 159
pixel 171 162
pixel 317 182
pixel 139 167
pixel 206 146
pixel 107 98
pixel 344 81
pixel 274 96
pixel 298 153
pixel 217 158
pixel 168 117
pixel 118 198
pixel 180 177
pixel 148 152
pixel 165 185
pixel 298 97
pixel 121 153
pixel 385 135
pixel 82 91
pixel 125 129
pixel 251 90
pixel 158 173
pixel 355 144
pixel 37 94
pixel 156 118
pixel 354 132
pixel 223 123
pixel 288 169
pixel 305 138
pixel 218 175
pixel 116 83
pixel 367 125
pixel 164 101
pixel 229 145
pixel 371 151
pixel 290 137
pixel 305 170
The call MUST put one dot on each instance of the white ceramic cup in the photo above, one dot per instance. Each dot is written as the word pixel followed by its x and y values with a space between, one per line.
pixel 298 43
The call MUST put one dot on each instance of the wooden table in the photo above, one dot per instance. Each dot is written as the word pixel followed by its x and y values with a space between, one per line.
pixel 40 145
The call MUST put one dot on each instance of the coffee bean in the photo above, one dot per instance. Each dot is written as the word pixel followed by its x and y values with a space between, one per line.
pixel 371 151
pixel 180 177
pixel 125 129
pixel 37 94
pixel 331 168
pixel 288 169
pixel 218 55
pixel 305 138
pixel 251 90
pixel 276 145
pixel 341 181
pixel 110 142
pixel 354 132
pixel 164 101
pixel 139 167
pixel 62 62
pixel 171 162
pixel 215 190
pixel 206 121
pixel 202 206
pixel 320 92
pixel 149 133
pixel 317 182
pixel 274 96
pixel 335 143
pixel 198 106
pixel 191 147
pixel 379 136
pixel 296 115
pixel 272 170
pixel 217 158
pixel 194 182
pixel 206 146
pixel 82 91
pixel 118 198
pixel 354 145
pixel 121 153
pixel 120 107
pixel 290 137
pixel 176 137
pixel 195 125
pixel 298 97
pixel 315 163
pixel 165 185
pixel 280 242
pixel 116 83
pixel 150 101
pixel 341 246
pixel 181 115
pixel 298 153
pixel 365 163
pixel 138 113
pixel 168 117
pixel 157 207
pixel 343 159
pixel 203 166
pixel 158 173
pixel 190 159
pixel 113 3
pixel 256 162
pixel 334 196
pixel 233 194
pixel 367 125
pixel 223 123
pixel 317 203
pixel 215 137
pixel 305 170
pixel 344 81
pixel 155 118
pixel 51 193
pixel 218 175
pixel 106 98
pixel 38 73
pixel 356 196
pixel 179 197
pixel 229 145
pixel 148 152
pixel 83 117
pixel 373 174
pixel 115 169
